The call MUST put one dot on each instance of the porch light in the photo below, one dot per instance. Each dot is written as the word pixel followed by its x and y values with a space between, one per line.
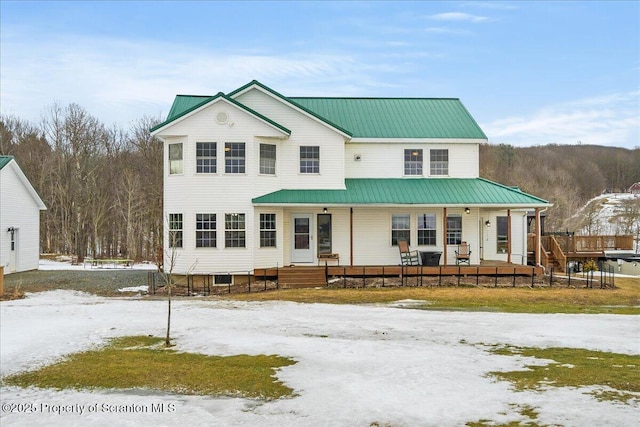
pixel 324 210
pixel 487 223
pixel 467 211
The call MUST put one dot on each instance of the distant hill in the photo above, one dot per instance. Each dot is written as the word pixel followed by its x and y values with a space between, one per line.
pixel 568 176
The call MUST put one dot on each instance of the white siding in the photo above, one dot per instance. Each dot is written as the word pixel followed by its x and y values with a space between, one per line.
pixel 18 209
pixel 386 160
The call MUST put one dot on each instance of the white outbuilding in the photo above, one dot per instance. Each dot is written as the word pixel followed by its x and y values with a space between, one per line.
pixel 20 207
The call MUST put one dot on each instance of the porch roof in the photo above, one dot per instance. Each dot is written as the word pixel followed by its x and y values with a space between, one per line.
pixel 463 192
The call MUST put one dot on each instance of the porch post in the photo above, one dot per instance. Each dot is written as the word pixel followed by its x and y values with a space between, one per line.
pixel 351 236
pixel 444 235
pixel 538 238
pixel 509 236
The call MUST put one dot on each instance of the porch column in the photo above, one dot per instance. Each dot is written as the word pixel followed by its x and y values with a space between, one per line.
pixel 538 238
pixel 351 236
pixel 509 236
pixel 444 233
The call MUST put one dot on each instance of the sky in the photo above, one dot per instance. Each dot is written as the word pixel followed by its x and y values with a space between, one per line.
pixel 356 365
pixel 531 73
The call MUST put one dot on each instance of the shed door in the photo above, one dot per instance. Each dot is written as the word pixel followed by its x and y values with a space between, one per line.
pixel 13 250
pixel 302 237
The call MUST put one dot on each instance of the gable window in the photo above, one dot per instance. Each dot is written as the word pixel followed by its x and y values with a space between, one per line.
pixel 205 230
pixel 309 159
pixel 175 230
pixel 427 229
pixel 234 230
pixel 175 159
pixel 234 157
pixel 267 230
pixel 439 162
pixel 267 159
pixel 502 234
pixel 206 157
pixel 413 162
pixel 400 228
pixel 454 229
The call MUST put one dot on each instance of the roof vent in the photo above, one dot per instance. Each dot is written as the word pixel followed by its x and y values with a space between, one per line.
pixel 222 118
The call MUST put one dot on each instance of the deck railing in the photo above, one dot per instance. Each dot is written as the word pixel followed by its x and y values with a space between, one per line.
pixel 594 243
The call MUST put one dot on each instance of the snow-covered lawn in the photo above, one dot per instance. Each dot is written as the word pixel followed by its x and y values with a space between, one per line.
pixel 357 365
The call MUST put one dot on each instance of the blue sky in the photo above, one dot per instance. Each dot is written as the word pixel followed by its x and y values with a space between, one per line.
pixel 531 73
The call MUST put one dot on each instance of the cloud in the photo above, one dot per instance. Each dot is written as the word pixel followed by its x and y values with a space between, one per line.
pixel 119 81
pixel 459 17
pixel 612 120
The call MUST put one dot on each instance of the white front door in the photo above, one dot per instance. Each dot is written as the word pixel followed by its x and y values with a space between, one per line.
pixel 13 250
pixel 302 238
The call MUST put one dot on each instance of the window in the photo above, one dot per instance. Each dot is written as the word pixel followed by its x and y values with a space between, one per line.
pixel 324 234
pixel 502 234
pixel 175 230
pixel 413 162
pixel 175 159
pixel 454 229
pixel 206 158
pixel 234 157
pixel 205 230
pixel 400 228
pixel 310 159
pixel 267 159
pixel 234 231
pixel 267 230
pixel 427 229
pixel 439 162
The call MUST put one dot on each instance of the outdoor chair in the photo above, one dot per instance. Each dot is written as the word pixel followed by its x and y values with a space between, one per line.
pixel 408 257
pixel 463 254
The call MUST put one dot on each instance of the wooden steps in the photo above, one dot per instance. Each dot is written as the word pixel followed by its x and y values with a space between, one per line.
pixel 302 277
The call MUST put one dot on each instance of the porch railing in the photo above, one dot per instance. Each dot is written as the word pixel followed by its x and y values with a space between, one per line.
pixel 594 243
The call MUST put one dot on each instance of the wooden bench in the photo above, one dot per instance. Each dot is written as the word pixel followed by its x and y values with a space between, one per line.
pixel 328 257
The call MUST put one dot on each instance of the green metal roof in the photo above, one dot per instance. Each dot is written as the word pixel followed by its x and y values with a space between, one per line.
pixel 408 191
pixel 4 160
pixel 363 117
pixel 397 117
pixel 184 104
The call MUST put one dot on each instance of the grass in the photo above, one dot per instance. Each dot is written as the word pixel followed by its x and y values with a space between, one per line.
pixel 141 362
pixel 625 299
pixel 571 367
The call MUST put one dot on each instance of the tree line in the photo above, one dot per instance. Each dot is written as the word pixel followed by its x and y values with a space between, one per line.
pixel 566 175
pixel 102 185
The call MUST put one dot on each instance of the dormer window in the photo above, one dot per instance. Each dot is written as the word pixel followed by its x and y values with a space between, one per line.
pixel 413 162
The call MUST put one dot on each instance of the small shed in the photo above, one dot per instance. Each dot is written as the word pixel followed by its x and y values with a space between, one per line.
pixel 20 207
pixel 635 188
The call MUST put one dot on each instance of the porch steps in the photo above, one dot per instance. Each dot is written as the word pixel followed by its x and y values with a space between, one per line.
pixel 302 277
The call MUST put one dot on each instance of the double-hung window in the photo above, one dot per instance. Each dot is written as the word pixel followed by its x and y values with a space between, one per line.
pixel 413 162
pixel 234 230
pixel 175 159
pixel 267 159
pixel 400 228
pixel 439 162
pixel 454 229
pixel 234 157
pixel 205 230
pixel 267 230
pixel 175 230
pixel 309 159
pixel 427 229
pixel 206 157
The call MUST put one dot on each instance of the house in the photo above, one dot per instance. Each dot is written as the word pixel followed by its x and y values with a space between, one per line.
pixel 635 188
pixel 20 208
pixel 256 179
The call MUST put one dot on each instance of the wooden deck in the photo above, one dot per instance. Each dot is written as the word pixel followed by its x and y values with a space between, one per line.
pixel 311 276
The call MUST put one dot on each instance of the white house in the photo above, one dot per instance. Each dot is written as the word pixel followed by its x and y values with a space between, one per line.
pixel 20 208
pixel 255 179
